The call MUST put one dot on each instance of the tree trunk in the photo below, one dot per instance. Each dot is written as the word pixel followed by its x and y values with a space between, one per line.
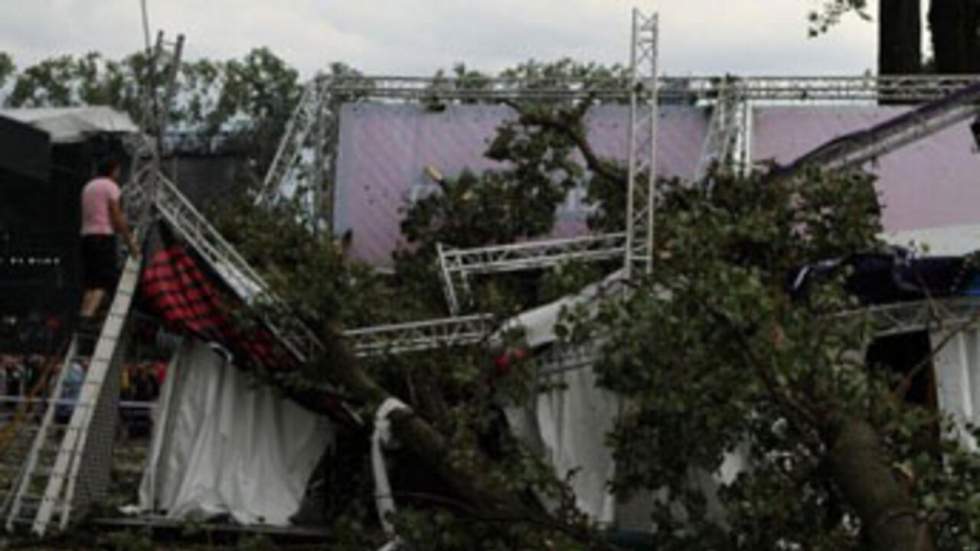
pixel 479 492
pixel 888 514
pixel 899 37
pixel 953 25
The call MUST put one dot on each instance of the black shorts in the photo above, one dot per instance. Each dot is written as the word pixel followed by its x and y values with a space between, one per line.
pixel 99 259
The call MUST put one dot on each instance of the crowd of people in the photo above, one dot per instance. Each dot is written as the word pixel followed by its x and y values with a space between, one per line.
pixel 22 378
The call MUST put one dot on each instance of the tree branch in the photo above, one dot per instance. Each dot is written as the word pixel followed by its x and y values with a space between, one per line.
pixel 592 160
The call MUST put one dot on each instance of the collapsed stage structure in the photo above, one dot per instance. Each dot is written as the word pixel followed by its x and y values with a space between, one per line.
pixel 54 467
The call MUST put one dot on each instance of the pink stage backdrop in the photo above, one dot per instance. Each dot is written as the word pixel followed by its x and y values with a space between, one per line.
pixel 931 183
pixel 384 148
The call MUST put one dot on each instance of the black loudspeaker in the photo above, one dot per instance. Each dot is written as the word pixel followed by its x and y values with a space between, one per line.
pixel 24 150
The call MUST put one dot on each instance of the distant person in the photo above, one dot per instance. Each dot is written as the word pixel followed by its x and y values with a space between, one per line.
pixel 102 221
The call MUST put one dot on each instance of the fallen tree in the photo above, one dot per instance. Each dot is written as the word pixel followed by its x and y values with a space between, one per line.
pixel 710 352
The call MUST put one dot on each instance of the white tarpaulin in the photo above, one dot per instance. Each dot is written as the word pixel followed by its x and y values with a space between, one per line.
pixel 957 367
pixel 73 124
pixel 568 426
pixel 224 445
pixel 944 241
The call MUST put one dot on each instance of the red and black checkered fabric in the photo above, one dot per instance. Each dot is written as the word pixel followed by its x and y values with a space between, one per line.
pixel 189 298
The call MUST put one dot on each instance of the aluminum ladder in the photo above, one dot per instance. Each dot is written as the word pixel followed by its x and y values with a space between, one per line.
pixel 54 462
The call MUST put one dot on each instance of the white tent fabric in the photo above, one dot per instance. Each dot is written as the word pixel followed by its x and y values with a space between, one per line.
pixel 222 444
pixel 944 241
pixel 539 323
pixel 73 124
pixel 957 368
pixel 568 427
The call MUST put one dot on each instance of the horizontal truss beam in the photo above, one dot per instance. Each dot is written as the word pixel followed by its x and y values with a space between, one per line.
pixel 682 89
pixel 887 320
pixel 400 338
pixel 534 254
pixel 457 265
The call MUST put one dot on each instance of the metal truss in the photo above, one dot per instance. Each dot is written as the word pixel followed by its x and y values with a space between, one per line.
pixel 719 149
pixel 234 270
pixel 418 336
pixel 865 145
pixel 310 113
pixel 907 317
pixel 298 339
pixel 146 150
pixel 636 244
pixel 869 88
pixel 642 154
pixel 457 265
pixel 887 320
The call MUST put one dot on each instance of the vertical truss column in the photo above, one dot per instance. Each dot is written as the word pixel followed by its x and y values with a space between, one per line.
pixel 642 145
pixel 743 136
pixel 309 113
pixel 317 174
pixel 448 281
pixel 161 72
pixel 721 147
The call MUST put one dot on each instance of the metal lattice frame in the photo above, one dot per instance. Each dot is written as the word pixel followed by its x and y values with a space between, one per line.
pixel 299 340
pixel 422 335
pixel 923 315
pixel 886 320
pixel 642 161
pixel 868 89
pixel 645 89
pixel 233 269
pixel 857 148
pixel 459 264
pixel 724 127
pixel 309 115
pixel 704 90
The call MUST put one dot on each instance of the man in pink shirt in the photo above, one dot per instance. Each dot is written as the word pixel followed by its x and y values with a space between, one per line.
pixel 102 220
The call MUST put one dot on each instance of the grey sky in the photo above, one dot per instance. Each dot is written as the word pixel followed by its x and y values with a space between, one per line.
pixel 416 37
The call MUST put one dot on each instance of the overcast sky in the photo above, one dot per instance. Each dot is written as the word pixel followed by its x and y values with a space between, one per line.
pixel 416 37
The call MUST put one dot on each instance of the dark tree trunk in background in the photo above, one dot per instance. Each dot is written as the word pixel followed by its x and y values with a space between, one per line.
pixel 953 25
pixel 899 37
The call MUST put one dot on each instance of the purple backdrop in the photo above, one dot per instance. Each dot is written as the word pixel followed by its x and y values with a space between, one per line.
pixel 384 148
pixel 930 183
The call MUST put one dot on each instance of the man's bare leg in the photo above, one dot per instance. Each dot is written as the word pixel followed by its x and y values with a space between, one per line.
pixel 91 300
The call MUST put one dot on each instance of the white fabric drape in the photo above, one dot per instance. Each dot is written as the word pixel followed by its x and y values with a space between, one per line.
pixel 957 367
pixel 221 444
pixel 568 426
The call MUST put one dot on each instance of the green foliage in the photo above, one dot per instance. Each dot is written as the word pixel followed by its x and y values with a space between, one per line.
pixel 830 13
pixel 713 357
pixel 246 101
pixel 7 68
